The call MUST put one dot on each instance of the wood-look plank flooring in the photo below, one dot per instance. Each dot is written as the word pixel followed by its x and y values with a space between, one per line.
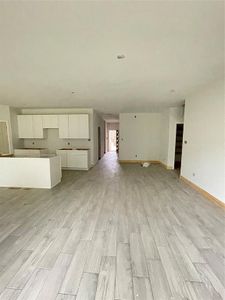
pixel 112 233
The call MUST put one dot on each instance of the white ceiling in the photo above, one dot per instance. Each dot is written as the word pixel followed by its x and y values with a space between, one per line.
pixel 50 49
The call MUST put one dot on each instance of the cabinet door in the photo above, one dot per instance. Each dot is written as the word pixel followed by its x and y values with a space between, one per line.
pixel 79 126
pixel 37 127
pixel 74 126
pixel 63 156
pixel 84 126
pixel 25 126
pixel 63 126
pixel 50 121
pixel 77 161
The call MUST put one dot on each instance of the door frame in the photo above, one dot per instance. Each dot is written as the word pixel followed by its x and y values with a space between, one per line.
pixel 99 143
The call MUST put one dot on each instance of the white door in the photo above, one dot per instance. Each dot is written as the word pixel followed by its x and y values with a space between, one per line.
pixel 37 127
pixel 25 126
pixel 63 126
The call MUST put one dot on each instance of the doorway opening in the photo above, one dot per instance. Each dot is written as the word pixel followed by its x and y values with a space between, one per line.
pixel 112 141
pixel 99 143
pixel 112 136
pixel 178 146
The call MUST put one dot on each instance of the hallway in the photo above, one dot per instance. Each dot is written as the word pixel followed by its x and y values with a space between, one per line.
pixel 115 232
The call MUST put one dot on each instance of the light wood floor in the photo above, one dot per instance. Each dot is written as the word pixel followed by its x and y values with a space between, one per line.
pixel 115 232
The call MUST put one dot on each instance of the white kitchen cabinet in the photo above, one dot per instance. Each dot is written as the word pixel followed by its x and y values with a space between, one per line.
pixel 30 126
pixel 38 132
pixel 84 126
pixel 77 160
pixel 30 152
pixel 30 172
pixel 74 126
pixel 50 121
pixel 25 126
pixel 74 159
pixel 63 156
pixel 63 126
pixel 79 126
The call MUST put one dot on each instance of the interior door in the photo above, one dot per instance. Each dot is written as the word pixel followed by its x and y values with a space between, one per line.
pixel 178 146
pixel 4 139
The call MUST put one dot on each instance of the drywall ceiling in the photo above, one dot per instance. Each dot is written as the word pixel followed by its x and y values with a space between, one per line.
pixel 64 53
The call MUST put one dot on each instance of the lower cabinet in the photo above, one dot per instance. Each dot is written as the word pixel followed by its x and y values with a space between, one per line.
pixel 74 159
pixel 63 155
pixel 30 152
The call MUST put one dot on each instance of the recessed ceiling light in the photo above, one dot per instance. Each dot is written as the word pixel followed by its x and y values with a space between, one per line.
pixel 120 56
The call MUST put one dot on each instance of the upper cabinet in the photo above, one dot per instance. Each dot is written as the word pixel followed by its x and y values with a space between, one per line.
pixel 74 126
pixel 70 126
pixel 37 127
pixel 25 126
pixel 30 126
pixel 79 126
pixel 84 126
pixel 63 126
pixel 50 121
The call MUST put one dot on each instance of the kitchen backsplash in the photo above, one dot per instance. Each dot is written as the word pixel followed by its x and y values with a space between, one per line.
pixel 52 142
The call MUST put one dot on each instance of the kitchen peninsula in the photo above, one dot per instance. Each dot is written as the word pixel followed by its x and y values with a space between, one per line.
pixel 30 172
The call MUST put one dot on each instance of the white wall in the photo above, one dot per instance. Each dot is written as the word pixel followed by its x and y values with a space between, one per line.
pixel 204 153
pixel 140 136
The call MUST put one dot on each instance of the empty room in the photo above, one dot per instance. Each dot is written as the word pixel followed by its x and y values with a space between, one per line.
pixel 112 150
